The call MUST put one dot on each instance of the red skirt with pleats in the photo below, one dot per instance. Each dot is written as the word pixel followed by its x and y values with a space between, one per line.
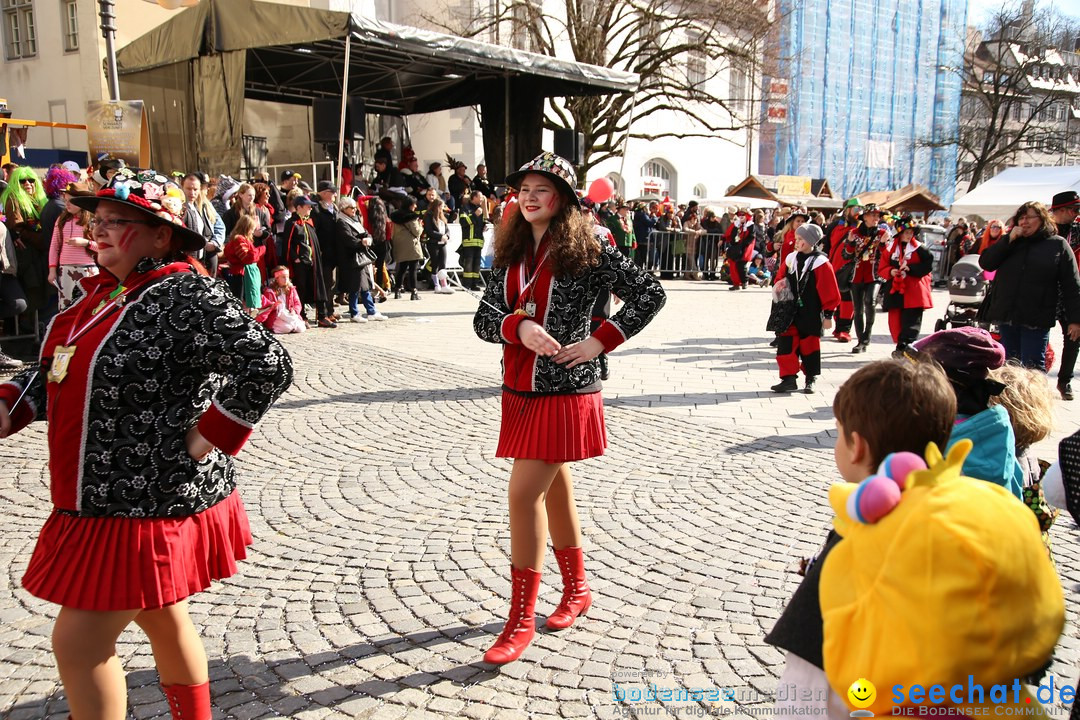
pixel 552 428
pixel 119 563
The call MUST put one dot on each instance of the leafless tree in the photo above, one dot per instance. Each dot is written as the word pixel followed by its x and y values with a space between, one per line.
pixel 1015 82
pixel 689 56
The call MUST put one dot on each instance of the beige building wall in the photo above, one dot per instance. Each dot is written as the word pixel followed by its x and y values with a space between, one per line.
pixel 55 84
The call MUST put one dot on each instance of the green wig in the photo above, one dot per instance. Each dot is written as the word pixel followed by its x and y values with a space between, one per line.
pixel 29 205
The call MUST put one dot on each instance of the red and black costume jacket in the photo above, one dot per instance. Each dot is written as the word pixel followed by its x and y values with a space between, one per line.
pixel 740 243
pixel 180 353
pixel 301 242
pixel 834 238
pixel 564 307
pixel 863 246
pixel 813 283
pixel 913 290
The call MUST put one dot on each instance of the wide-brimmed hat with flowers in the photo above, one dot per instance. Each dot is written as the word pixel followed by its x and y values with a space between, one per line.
pixel 153 195
pixel 550 165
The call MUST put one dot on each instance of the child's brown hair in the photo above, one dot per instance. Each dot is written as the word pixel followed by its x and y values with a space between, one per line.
pixel 896 406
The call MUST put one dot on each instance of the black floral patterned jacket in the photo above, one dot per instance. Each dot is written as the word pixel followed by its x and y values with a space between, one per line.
pixel 182 352
pixel 563 306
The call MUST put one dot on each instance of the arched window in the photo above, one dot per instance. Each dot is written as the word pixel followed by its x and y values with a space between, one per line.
pixel 700 191
pixel 658 177
pixel 656 168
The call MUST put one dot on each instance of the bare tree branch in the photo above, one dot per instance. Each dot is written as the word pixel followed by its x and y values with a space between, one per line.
pixel 1012 88
pixel 684 52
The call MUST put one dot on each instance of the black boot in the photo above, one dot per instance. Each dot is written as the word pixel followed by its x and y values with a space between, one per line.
pixel 1065 390
pixel 602 357
pixel 415 295
pixel 788 384
pixel 810 380
pixel 775 341
pixel 397 294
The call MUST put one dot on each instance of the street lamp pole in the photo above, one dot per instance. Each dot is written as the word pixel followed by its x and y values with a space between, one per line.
pixel 108 30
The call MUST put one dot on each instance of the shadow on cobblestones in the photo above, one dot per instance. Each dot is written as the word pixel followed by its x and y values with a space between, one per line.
pixel 774 443
pixel 457 394
pixel 283 682
pixel 735 396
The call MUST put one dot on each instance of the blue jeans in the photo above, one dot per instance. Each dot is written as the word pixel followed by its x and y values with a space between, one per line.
pixel 361 296
pixel 1028 345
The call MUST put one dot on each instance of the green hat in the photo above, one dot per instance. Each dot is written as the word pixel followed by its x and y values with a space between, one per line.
pixel 852 202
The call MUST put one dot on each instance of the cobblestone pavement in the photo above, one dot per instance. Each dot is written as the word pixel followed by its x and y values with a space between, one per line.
pixel 379 572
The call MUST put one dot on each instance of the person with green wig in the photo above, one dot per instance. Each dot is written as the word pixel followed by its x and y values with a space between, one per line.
pixel 23 200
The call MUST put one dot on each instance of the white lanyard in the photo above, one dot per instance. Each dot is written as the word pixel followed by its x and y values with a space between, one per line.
pixel 525 283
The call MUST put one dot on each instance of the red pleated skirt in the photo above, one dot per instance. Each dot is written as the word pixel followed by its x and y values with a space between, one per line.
pixel 552 428
pixel 117 563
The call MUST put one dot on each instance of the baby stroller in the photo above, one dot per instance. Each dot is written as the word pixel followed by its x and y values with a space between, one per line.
pixel 967 288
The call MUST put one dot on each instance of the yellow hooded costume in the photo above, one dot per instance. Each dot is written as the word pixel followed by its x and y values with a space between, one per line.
pixel 953 582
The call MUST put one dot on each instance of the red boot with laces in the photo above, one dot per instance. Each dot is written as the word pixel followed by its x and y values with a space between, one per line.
pixel 576 598
pixel 189 702
pixel 521 624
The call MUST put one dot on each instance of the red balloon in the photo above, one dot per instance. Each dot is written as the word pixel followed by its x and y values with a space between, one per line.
pixel 601 190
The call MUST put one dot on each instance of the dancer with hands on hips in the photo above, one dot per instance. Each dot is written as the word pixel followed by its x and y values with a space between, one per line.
pixel 150 381
pixel 548 270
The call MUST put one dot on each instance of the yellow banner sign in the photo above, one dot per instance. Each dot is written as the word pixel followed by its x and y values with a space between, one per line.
pixel 792 185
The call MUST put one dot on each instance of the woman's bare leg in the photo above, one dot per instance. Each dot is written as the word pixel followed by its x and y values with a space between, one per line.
pixel 84 643
pixel 529 483
pixel 178 649
pixel 562 512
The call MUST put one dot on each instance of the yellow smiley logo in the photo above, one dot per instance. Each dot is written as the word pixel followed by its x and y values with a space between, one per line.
pixel 862 693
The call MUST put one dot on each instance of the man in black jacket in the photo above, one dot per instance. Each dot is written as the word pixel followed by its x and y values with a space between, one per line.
pixel 325 221
pixel 1063 209
pixel 458 185
pixel 481 182
pixel 644 224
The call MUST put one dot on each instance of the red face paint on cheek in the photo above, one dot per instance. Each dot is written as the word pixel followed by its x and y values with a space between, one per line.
pixel 553 203
pixel 126 239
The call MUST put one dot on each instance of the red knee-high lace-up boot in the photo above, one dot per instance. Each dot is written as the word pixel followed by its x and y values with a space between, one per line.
pixel 576 598
pixel 189 702
pixel 521 624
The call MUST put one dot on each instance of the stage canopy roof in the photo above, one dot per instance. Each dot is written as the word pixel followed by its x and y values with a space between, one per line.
pixel 271 51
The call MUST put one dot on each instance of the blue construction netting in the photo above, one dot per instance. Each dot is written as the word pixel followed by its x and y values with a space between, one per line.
pixel 872 85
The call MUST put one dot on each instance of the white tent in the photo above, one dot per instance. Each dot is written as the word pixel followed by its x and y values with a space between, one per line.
pixel 998 197
pixel 742 201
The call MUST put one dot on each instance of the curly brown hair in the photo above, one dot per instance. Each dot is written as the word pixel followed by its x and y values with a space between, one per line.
pixel 572 242
pixel 1048 225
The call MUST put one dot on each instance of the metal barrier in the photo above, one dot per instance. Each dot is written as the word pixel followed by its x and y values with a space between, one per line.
pixel 327 174
pixel 673 252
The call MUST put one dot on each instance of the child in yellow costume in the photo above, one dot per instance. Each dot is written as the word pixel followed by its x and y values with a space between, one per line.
pixel 948 585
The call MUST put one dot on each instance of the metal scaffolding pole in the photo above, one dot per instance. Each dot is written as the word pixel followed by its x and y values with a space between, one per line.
pixel 108 30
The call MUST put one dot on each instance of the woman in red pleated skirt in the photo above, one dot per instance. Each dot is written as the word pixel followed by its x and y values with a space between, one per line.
pixel 549 269
pixel 150 382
